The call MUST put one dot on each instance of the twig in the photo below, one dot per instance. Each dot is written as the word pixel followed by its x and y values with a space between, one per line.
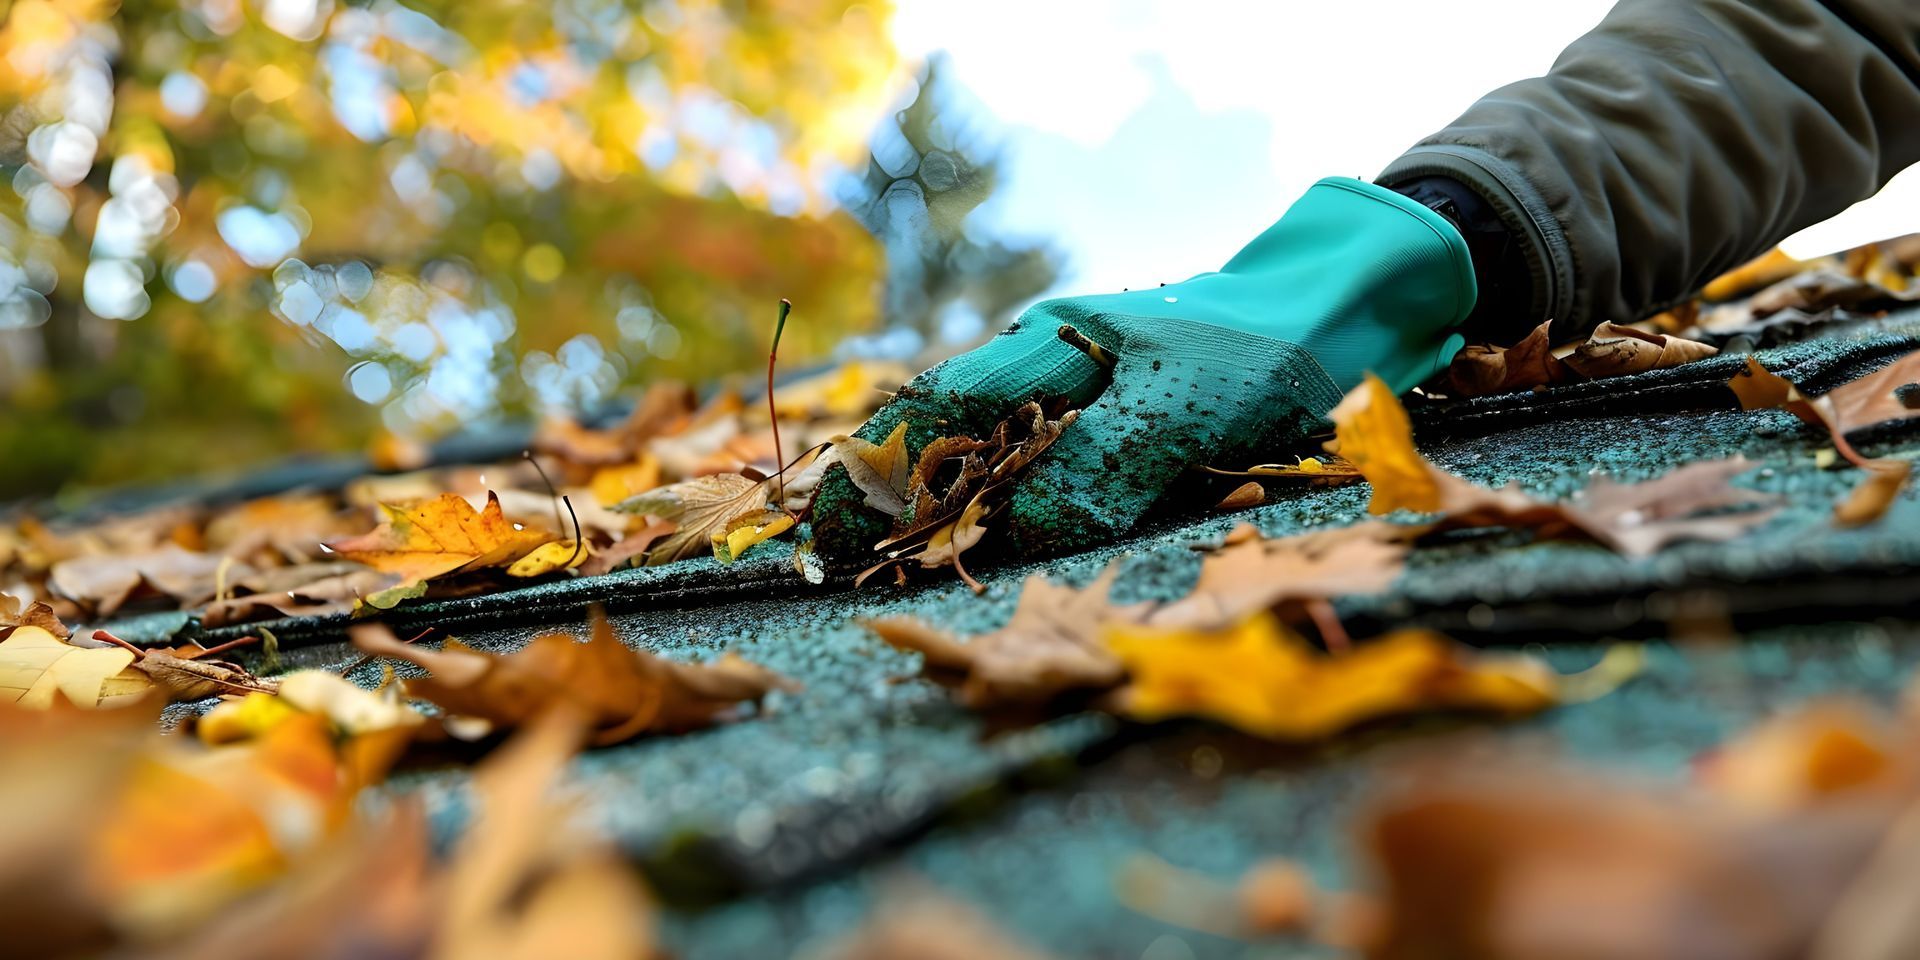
pixel 1081 342
pixel 552 493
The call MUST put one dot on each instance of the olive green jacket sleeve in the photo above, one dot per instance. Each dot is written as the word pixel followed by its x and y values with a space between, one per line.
pixel 1682 137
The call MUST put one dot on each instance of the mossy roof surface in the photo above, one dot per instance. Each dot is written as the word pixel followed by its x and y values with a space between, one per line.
pixel 787 826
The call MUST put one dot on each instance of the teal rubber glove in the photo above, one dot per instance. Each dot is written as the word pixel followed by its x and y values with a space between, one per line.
pixel 1355 278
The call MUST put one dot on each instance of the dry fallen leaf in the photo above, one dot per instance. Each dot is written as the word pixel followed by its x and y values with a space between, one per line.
pixel 624 692
pixel 1483 369
pixel 1372 430
pixel 441 536
pixel 525 882
pixel 626 549
pixel 1512 865
pixel 35 614
pixel 35 665
pixel 108 580
pixel 1261 677
pixel 1615 350
pixel 745 532
pixel 194 828
pixel 1869 400
pixel 1888 394
pixel 1050 645
pixel 1249 573
pixel 940 526
pixel 698 508
pixel 1244 496
pixel 879 470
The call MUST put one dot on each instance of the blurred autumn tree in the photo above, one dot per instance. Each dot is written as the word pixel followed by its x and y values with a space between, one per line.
pixel 238 228
pixel 931 167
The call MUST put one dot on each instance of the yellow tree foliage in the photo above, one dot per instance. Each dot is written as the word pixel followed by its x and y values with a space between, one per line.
pixel 220 209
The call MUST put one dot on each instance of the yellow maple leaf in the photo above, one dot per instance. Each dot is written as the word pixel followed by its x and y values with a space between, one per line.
pixel 1372 432
pixel 440 536
pixel 1262 678
pixel 34 664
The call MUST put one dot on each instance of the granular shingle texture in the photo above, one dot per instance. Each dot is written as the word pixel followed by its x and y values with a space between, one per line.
pixel 772 834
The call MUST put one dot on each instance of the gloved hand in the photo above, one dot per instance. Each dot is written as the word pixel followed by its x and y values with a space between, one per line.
pixel 1354 278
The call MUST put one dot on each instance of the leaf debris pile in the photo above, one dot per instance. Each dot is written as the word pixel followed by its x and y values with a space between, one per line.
pixel 690 480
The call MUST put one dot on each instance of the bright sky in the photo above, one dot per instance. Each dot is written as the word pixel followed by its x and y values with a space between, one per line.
pixel 1151 138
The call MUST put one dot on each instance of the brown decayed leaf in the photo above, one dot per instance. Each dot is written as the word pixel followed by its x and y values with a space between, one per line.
pixel 1510 865
pixel 1250 573
pixel 945 524
pixel 627 548
pixel 1640 519
pixel 1482 369
pixel 338 593
pixel 285 529
pixel 1050 645
pixel 1869 400
pixel 1874 494
pixel 35 614
pixel 622 691
pixel 1816 290
pixel 441 536
pixel 1614 350
pixel 1611 350
pixel 1372 430
pixel 1887 394
pixel 1244 496
pixel 698 508
pixel 108 580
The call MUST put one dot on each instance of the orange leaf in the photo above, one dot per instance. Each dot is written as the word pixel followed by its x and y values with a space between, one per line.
pixel 441 536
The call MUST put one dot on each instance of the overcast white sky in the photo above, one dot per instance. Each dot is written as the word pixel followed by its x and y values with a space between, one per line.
pixel 1151 138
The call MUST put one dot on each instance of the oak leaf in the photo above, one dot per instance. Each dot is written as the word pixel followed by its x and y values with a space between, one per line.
pixel 1050 645
pixel 698 508
pixel 623 692
pixel 441 536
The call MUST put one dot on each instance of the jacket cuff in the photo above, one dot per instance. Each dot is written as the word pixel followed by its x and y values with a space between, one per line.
pixel 1520 207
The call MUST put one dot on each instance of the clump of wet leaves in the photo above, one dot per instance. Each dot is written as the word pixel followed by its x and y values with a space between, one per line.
pixel 940 506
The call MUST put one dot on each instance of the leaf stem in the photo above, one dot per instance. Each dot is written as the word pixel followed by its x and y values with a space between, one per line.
pixel 773 416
